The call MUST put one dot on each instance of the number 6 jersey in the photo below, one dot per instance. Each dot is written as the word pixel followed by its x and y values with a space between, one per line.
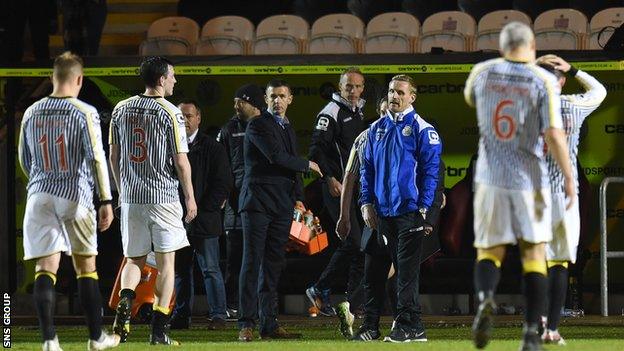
pixel 516 102
pixel 149 131
pixel 60 150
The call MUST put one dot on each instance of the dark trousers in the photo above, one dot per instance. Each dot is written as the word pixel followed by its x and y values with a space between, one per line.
pixel 234 251
pixel 206 251
pixel 404 234
pixel 347 259
pixel 376 268
pixel 264 240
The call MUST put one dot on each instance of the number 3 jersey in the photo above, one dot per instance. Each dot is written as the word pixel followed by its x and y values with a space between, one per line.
pixel 149 131
pixel 60 150
pixel 516 102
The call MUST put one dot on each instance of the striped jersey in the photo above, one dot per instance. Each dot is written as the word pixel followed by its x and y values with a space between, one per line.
pixel 355 155
pixel 149 131
pixel 516 102
pixel 60 149
pixel 574 109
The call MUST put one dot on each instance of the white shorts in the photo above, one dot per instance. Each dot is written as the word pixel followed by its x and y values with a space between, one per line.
pixel 566 230
pixel 53 224
pixel 147 225
pixel 503 216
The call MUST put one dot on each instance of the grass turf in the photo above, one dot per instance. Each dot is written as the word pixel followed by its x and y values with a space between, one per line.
pixel 326 337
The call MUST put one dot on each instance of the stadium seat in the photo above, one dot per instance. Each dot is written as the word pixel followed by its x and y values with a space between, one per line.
pixel 560 29
pixel 450 30
pixel 534 8
pixel 610 18
pixel 366 10
pixel 422 9
pixel 479 8
pixel 591 8
pixel 170 36
pixel 281 35
pixel 226 35
pixel 393 32
pixel 490 25
pixel 336 34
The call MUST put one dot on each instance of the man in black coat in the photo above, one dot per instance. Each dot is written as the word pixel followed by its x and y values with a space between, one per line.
pixel 212 182
pixel 231 137
pixel 271 185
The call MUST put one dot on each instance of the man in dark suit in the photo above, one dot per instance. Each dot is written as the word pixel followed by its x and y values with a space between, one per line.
pixel 271 185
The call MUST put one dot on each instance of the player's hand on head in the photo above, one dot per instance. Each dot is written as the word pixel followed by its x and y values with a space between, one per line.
pixel 105 214
pixel 191 210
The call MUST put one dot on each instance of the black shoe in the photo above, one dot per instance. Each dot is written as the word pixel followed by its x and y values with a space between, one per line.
pixel 231 314
pixel 531 341
pixel 418 335
pixel 121 325
pixel 399 334
pixel 179 322
pixel 482 325
pixel 366 334
pixel 163 339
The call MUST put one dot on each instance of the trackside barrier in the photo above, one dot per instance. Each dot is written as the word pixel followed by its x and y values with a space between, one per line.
pixel 604 254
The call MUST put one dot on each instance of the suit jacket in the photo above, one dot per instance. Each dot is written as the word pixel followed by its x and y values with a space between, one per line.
pixel 212 182
pixel 272 181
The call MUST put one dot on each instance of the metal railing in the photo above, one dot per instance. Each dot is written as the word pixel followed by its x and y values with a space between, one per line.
pixel 604 253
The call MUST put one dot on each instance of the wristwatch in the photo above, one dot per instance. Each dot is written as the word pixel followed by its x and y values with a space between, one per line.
pixel 423 212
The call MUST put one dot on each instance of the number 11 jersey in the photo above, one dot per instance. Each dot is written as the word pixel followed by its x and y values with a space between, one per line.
pixel 516 103
pixel 60 150
pixel 149 131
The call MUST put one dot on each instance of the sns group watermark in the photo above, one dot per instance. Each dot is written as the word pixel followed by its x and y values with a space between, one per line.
pixel 6 321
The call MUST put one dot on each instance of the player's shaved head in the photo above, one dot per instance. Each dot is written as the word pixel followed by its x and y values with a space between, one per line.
pixel 67 66
pixel 515 35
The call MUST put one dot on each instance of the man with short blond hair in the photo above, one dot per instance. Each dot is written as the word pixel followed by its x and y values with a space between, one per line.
pixel 61 152
pixel 399 177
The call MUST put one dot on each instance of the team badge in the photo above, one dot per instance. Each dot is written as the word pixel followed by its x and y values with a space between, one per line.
pixel 380 134
pixel 434 138
pixel 322 124
pixel 407 131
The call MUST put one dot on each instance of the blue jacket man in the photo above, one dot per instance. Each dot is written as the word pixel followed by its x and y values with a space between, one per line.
pixel 399 177
pixel 401 164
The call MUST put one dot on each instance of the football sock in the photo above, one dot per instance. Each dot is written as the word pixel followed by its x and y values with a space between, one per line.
pixel 558 286
pixel 486 276
pixel 159 320
pixel 91 302
pixel 45 298
pixel 535 288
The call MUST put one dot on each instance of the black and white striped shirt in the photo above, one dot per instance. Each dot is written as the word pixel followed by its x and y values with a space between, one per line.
pixel 149 131
pixel 355 155
pixel 516 102
pixel 60 149
pixel 574 109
